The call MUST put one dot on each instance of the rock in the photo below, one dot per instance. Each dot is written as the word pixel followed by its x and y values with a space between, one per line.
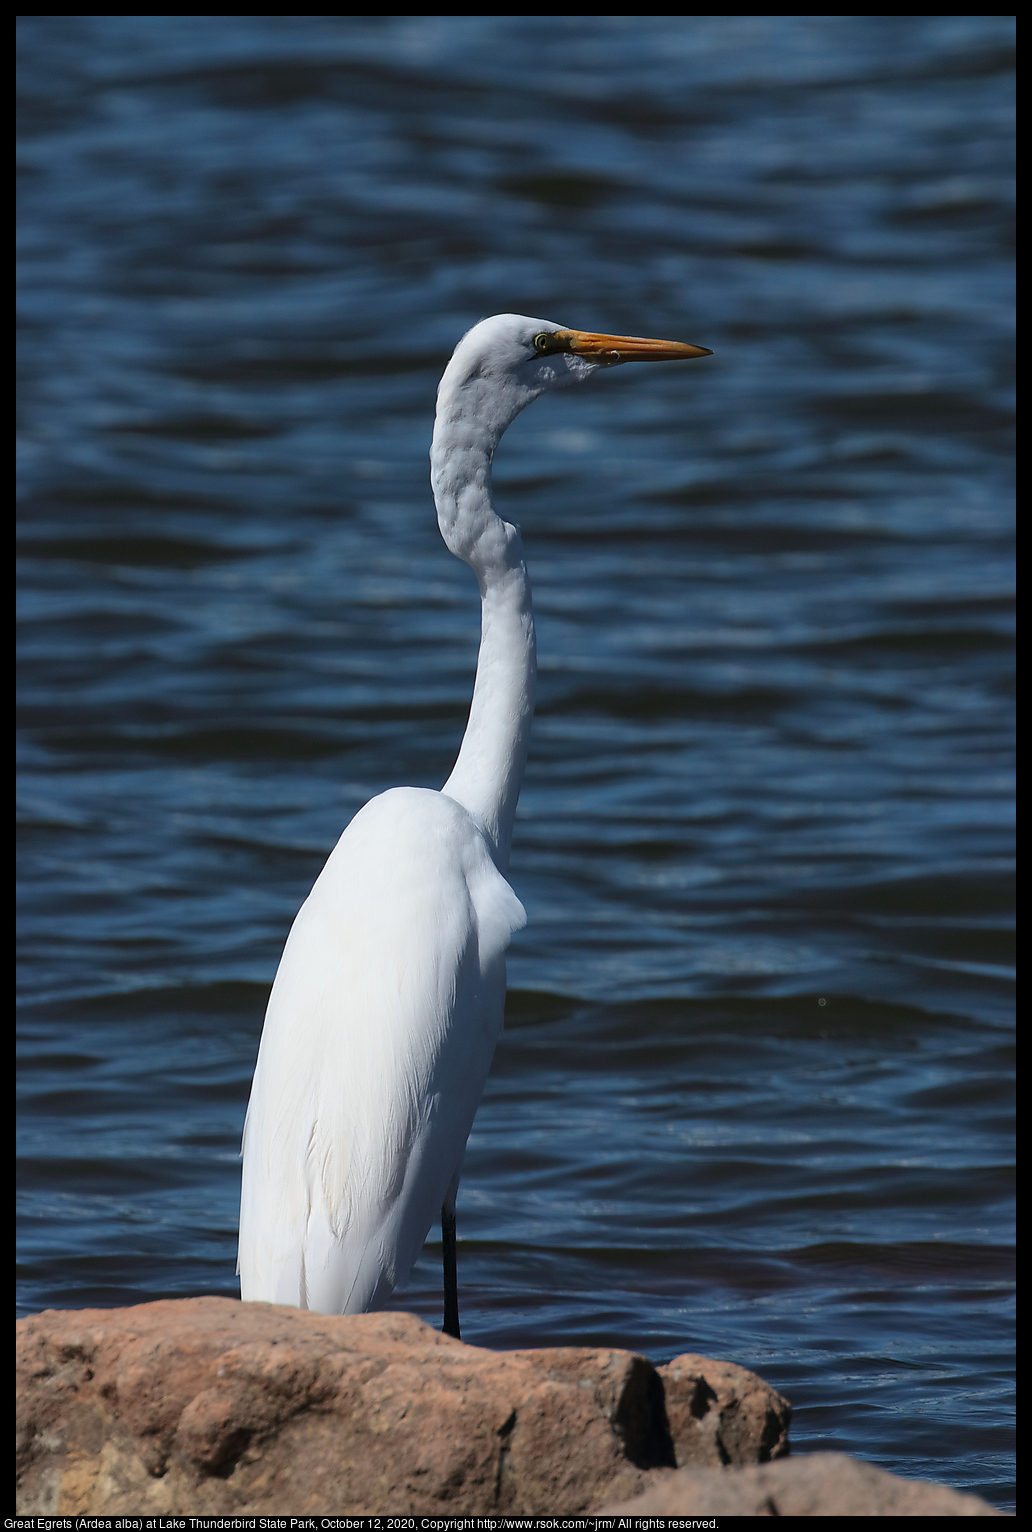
pixel 720 1414
pixel 819 1484
pixel 209 1406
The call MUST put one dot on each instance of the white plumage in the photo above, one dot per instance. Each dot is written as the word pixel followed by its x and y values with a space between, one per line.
pixel 389 997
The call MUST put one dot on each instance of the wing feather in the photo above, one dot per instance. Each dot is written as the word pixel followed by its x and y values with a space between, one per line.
pixel 378 1037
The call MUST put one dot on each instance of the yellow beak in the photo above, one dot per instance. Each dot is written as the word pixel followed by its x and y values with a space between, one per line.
pixel 627 348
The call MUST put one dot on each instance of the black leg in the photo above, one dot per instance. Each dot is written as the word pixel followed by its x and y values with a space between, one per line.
pixel 451 1287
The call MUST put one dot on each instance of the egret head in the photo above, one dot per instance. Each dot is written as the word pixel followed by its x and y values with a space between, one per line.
pixel 496 370
pixel 507 361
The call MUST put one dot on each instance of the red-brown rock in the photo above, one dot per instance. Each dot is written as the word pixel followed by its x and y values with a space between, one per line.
pixel 205 1405
pixel 722 1415
pixel 210 1406
pixel 819 1484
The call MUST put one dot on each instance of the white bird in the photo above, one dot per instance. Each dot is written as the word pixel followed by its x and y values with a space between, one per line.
pixel 388 1000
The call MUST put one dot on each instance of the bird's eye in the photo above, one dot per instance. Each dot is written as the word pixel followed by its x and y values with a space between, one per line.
pixel 548 342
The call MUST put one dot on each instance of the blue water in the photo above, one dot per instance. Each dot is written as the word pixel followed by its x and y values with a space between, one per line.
pixel 755 1094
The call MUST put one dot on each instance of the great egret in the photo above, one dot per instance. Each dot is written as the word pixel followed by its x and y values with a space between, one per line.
pixel 388 1001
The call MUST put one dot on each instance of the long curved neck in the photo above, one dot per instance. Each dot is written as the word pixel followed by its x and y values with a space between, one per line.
pixel 488 774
